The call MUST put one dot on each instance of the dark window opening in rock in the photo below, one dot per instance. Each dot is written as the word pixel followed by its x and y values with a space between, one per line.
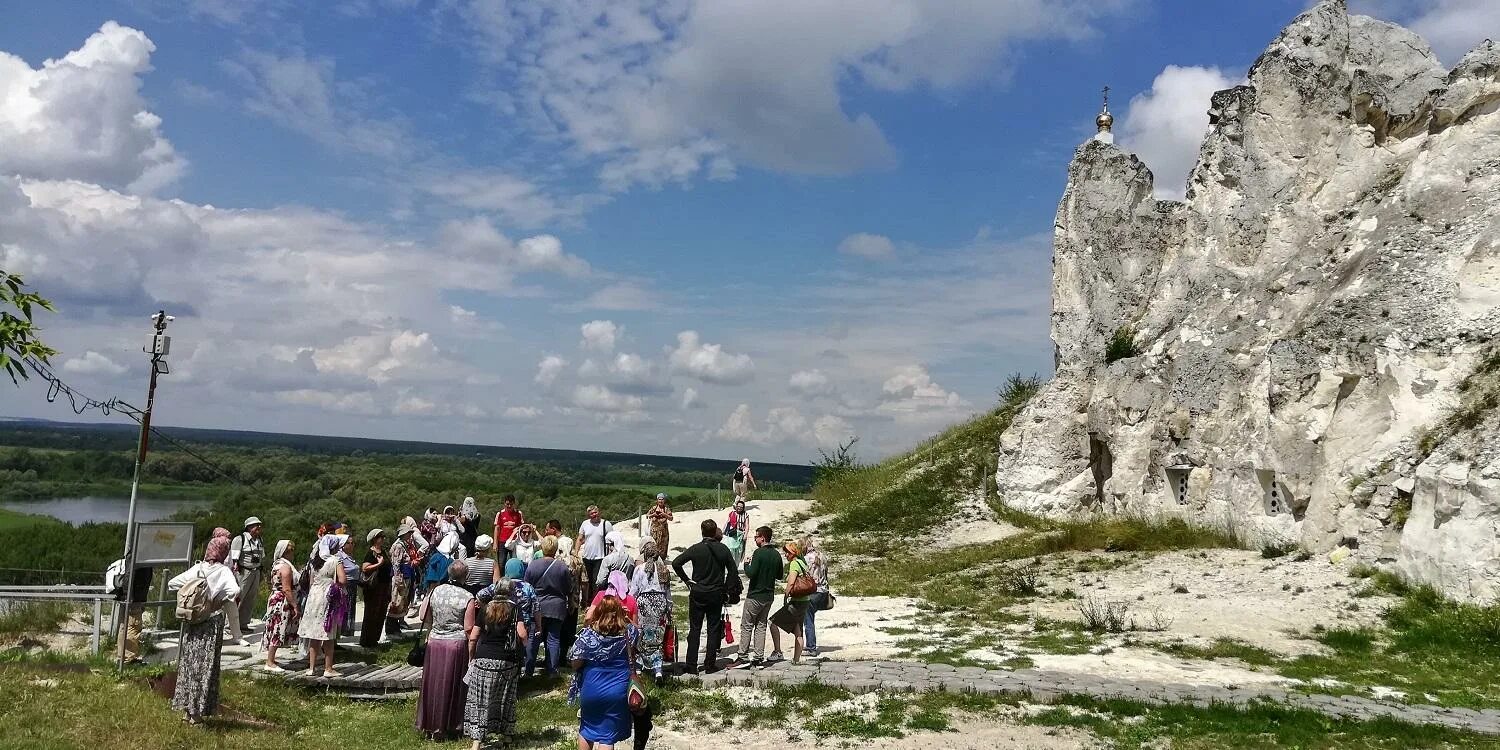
pixel 1177 483
pixel 1101 463
pixel 1277 498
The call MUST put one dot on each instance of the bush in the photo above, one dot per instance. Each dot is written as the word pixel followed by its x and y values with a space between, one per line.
pixel 1102 616
pixel 1121 345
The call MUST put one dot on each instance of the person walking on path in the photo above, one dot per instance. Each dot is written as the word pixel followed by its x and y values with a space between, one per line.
pixel 792 616
pixel 197 693
pixel 493 679
pixel 821 599
pixel 482 570
pixel 736 528
pixel 282 615
pixel 507 522
pixel 601 660
pixel 652 588
pixel 327 600
pixel 592 534
pixel 448 614
pixel 660 516
pixel 377 572
pixel 246 555
pixel 553 583
pixel 763 571
pixel 743 481
pixel 715 582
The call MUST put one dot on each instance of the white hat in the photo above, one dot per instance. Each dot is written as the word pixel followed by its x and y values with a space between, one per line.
pixel 744 462
pixel 661 496
pixel 252 521
pixel 484 542
pixel 370 537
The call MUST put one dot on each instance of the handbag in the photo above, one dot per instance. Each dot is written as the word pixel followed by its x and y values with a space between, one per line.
pixel 802 585
pixel 418 654
pixel 828 601
pixel 636 699
pixel 728 630
pixel 669 645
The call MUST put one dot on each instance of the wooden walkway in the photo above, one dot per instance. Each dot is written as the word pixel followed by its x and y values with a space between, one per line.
pixel 356 680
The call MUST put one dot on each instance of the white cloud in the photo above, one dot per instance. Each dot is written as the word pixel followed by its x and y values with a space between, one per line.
pixel 359 403
pixel 1165 126
pixel 811 383
pixel 93 363
pixel 709 362
pixel 829 430
pixel 783 424
pixel 668 90
pixel 82 117
pixel 415 406
pixel 621 296
pixel 691 400
pixel 633 374
pixel 869 246
pixel 599 335
pixel 548 369
pixel 521 413
pixel 519 201
pixel 912 392
pixel 594 397
pixel 302 95
pixel 478 239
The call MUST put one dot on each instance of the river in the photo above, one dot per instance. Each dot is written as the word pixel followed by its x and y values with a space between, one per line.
pixel 78 510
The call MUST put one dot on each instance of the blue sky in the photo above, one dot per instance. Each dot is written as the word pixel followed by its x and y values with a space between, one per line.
pixel 680 227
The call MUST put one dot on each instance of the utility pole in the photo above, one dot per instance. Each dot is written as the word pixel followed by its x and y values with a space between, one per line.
pixel 161 345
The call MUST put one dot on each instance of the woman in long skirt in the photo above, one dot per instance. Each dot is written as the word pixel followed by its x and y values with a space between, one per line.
pixel 197 692
pixel 661 518
pixel 448 611
pixel 652 588
pixel 282 615
pixel 326 603
pixel 377 572
pixel 601 660
pixel 494 669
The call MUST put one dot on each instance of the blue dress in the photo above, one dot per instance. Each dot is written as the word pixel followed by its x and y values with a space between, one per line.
pixel 603 685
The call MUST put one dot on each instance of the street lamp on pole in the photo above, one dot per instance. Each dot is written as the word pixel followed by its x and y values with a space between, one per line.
pixel 161 345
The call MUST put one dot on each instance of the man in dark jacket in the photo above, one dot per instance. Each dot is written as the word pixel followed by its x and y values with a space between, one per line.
pixel 714 582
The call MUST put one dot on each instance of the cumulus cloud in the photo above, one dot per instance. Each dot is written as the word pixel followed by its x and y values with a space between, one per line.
pixel 82 117
pixel 709 362
pixel 93 363
pixel 912 392
pixel 479 239
pixel 600 335
pixel 521 413
pixel 621 296
pixel 691 400
pixel 633 374
pixel 783 424
pixel 868 246
pixel 548 369
pixel 1165 126
pixel 669 90
pixel 599 398
pixel 811 383
pixel 519 201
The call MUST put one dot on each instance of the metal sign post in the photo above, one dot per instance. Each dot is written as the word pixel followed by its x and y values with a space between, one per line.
pixel 161 344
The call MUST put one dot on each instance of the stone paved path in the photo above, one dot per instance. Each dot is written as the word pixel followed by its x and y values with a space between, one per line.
pixel 1046 687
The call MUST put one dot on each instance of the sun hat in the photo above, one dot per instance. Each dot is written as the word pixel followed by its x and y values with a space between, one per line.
pixel 370 537
pixel 483 542
pixel 661 496
pixel 405 528
pixel 252 521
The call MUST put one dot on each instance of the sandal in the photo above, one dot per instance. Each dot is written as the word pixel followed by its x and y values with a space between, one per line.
pixel 331 674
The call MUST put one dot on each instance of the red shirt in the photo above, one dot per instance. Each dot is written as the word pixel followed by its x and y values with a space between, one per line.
pixel 507 521
pixel 631 608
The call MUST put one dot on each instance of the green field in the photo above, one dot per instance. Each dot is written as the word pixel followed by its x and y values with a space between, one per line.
pixel 10 519
pixel 649 491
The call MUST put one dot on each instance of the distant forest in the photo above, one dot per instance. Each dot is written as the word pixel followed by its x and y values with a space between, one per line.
pixel 295 482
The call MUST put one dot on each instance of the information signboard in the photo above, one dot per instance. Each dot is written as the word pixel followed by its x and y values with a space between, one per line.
pixel 163 543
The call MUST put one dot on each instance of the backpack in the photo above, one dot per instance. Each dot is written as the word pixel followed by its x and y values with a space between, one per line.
pixel 193 602
pixel 114 577
pixel 739 474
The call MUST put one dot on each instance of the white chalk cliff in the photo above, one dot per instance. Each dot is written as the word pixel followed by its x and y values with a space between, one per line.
pixel 1309 321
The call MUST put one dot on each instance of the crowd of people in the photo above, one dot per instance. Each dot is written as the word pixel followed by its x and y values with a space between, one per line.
pixel 492 607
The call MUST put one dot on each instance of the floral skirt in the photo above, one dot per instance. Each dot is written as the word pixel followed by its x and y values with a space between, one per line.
pixel 198 667
pixel 656 619
pixel 281 626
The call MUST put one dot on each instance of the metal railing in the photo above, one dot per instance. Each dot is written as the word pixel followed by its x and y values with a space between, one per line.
pixel 95 595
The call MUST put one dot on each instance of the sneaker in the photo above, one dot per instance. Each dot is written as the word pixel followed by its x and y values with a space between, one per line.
pixel 272 668
pixel 242 642
pixel 775 657
pixel 658 673
pixel 814 653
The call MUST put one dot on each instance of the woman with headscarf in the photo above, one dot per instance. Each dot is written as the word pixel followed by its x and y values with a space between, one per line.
pixel 482 569
pixel 618 559
pixel 282 615
pixel 448 613
pixel 438 562
pixel 737 529
pixel 652 588
pixel 377 573
pixel 468 524
pixel 197 693
pixel 661 518
pixel 524 545
pixel 743 480
pixel 232 630
pixel 404 558
pixel 494 675
pixel 617 586
pixel 326 602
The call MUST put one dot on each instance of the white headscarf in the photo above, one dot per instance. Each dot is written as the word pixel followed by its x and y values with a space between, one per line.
pixel 469 511
pixel 450 546
pixel 280 549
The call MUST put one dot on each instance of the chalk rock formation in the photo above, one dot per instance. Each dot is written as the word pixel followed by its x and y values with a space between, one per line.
pixel 1305 322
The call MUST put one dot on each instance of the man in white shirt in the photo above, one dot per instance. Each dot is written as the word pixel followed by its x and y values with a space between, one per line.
pixel 591 535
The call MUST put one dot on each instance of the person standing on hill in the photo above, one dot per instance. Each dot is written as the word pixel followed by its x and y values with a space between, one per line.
pixel 564 543
pixel 522 547
pixel 763 571
pixel 197 693
pixel 817 566
pixel 507 522
pixel 736 528
pixel 246 554
pixel 592 534
pixel 744 481
pixel 468 523
pixel 482 568
pixel 792 617
pixel 376 573
pixel 405 562
pixel 715 582
pixel 661 516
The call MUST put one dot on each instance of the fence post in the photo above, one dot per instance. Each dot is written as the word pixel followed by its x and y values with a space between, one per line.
pixel 98 616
